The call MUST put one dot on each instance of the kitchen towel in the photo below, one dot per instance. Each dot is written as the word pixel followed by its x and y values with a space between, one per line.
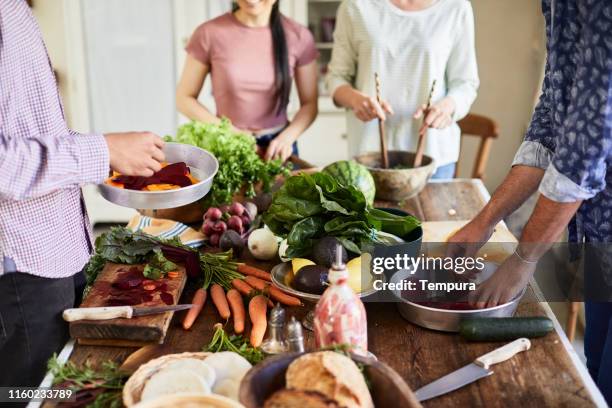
pixel 167 229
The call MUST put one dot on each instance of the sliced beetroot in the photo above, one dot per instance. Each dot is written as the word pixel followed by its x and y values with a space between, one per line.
pixel 167 298
pixel 134 282
pixel 175 173
pixel 122 284
pixel 147 297
pixel 163 286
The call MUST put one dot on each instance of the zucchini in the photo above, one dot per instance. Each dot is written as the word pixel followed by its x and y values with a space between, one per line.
pixel 504 328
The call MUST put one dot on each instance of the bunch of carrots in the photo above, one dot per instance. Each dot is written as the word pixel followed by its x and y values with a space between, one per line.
pixel 257 287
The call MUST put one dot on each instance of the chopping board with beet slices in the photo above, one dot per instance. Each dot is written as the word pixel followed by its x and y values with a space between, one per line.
pixel 125 285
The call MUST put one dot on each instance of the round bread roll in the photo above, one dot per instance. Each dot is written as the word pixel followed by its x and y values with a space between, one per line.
pixel 172 382
pixel 205 371
pixel 332 374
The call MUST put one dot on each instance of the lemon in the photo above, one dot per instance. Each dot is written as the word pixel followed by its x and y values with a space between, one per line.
pixel 299 263
pixel 359 280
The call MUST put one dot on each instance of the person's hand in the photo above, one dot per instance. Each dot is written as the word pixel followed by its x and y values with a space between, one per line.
pixel 281 147
pixel 506 283
pixel 367 108
pixel 467 241
pixel 135 153
pixel 438 116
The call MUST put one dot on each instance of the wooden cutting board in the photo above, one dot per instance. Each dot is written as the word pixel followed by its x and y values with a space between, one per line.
pixel 501 244
pixel 137 331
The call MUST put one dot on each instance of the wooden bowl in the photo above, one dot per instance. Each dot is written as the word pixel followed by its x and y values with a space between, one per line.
pixel 388 389
pixel 397 183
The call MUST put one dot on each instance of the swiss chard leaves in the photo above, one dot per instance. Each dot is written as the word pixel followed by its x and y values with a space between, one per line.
pixel 309 207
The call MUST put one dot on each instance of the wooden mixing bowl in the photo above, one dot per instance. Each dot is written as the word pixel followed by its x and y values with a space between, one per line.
pixel 399 181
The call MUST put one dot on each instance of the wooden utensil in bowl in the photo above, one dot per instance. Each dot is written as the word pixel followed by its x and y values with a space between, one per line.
pixel 387 388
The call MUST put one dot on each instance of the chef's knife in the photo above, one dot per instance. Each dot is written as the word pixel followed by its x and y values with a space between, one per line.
pixel 113 312
pixel 472 372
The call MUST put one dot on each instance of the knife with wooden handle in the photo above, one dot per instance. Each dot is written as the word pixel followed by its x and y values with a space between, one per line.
pixel 117 312
pixel 480 368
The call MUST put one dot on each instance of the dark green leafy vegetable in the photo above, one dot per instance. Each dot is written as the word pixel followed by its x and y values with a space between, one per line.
pixel 94 388
pixel 158 266
pixel 221 341
pixel 309 207
pixel 239 164
pixel 124 246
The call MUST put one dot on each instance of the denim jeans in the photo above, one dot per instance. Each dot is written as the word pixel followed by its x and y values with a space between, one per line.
pixel 31 324
pixel 445 172
pixel 263 141
pixel 598 345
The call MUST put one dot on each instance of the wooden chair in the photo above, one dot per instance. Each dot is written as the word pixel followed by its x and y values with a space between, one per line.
pixel 487 130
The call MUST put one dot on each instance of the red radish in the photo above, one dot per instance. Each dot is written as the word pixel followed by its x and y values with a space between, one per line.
pixel 219 227
pixel 235 223
pixel 214 239
pixel 236 209
pixel 213 214
pixel 207 227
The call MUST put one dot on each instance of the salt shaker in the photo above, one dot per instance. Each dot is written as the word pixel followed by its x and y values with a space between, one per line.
pixel 275 342
pixel 295 336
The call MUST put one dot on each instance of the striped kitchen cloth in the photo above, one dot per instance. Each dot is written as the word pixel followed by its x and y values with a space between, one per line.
pixel 167 229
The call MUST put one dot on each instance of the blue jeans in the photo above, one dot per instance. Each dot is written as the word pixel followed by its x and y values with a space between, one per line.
pixel 598 345
pixel 264 141
pixel 445 172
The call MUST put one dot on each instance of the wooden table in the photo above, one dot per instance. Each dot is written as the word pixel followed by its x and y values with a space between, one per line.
pixel 548 375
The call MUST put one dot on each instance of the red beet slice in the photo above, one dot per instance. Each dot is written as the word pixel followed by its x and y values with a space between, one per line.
pixel 147 297
pixel 167 298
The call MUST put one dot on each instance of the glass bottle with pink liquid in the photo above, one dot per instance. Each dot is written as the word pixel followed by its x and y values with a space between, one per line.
pixel 340 317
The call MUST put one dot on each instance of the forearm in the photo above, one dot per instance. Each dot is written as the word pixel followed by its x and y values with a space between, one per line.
pixel 194 110
pixel 517 187
pixel 30 168
pixel 345 95
pixel 546 224
pixel 302 119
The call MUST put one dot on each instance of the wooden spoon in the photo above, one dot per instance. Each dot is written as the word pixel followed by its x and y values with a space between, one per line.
pixel 418 157
pixel 381 127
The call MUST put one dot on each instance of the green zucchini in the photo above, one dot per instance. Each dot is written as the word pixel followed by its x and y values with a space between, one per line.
pixel 504 328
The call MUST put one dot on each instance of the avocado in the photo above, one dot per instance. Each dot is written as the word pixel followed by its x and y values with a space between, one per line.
pixel 324 251
pixel 311 279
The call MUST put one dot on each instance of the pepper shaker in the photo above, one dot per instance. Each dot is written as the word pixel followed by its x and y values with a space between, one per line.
pixel 275 342
pixel 295 336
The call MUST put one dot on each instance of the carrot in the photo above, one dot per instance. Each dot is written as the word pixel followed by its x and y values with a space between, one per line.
pixel 234 299
pixel 242 287
pixel 217 294
pixel 198 304
pixel 256 272
pixel 173 274
pixel 257 313
pixel 275 293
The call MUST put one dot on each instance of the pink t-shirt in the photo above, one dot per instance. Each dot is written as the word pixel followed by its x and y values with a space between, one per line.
pixel 241 63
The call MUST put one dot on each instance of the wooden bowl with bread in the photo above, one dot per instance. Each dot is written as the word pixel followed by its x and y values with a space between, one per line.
pixel 325 379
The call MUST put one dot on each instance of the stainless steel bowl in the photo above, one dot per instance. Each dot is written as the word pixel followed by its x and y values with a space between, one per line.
pixel 279 273
pixel 203 166
pixel 445 319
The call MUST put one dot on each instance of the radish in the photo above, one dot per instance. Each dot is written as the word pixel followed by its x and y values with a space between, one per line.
pixel 219 227
pixel 236 209
pixel 207 227
pixel 235 223
pixel 214 239
pixel 213 214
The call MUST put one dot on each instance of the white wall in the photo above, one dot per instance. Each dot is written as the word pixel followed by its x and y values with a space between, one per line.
pixel 510 50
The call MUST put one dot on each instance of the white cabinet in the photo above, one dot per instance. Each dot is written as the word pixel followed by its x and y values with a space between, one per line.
pixel 325 141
